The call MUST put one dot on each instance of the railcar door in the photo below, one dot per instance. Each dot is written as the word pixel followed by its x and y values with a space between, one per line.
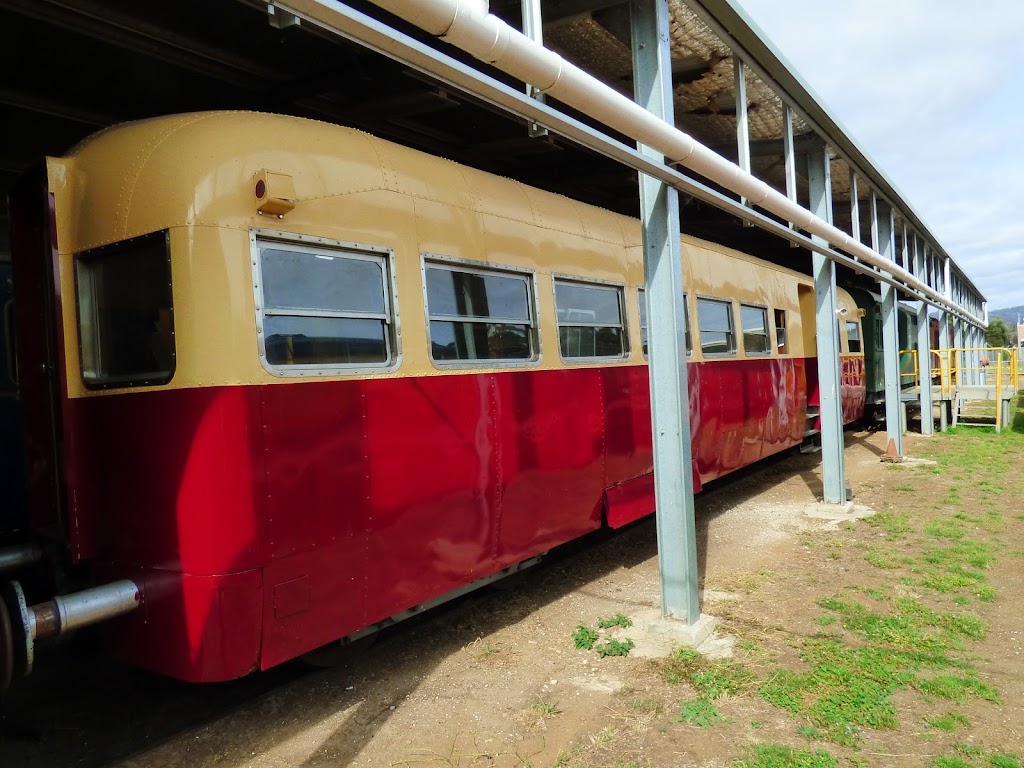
pixel 40 359
pixel 12 471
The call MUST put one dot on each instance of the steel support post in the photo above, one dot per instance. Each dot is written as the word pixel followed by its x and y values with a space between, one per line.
pixel 924 352
pixel 819 181
pixel 533 28
pixel 977 342
pixel 666 329
pixel 945 366
pixel 883 242
pixel 742 121
pixel 789 152
pixel 855 209
pixel 959 356
pixel 924 365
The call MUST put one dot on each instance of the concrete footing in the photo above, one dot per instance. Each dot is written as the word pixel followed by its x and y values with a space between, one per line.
pixel 656 636
pixel 838 512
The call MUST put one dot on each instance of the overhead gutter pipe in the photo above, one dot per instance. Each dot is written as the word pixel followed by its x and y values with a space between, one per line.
pixel 466 24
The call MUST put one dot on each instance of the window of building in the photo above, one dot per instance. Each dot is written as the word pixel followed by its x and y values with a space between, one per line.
pixel 853 336
pixel 781 340
pixel 642 300
pixel 324 308
pixel 126 313
pixel 478 314
pixel 589 320
pixel 754 321
pixel 715 323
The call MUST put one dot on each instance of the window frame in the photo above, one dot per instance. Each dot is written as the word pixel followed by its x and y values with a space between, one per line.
pixel 359 251
pixel 620 292
pixel 474 266
pixel 641 298
pixel 859 339
pixel 784 314
pixel 767 331
pixel 734 351
pixel 163 235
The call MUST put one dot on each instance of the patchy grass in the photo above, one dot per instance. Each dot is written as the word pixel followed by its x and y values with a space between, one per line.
pixel 710 678
pixel 699 712
pixel 948 722
pixel 781 756
pixel 892 652
pixel 545 708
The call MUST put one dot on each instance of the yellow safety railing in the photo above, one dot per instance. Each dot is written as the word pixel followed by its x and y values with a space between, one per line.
pixel 914 374
pixel 944 371
pixel 953 368
pixel 953 365
pixel 999 394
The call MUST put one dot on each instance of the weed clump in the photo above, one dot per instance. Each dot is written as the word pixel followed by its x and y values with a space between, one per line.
pixel 584 637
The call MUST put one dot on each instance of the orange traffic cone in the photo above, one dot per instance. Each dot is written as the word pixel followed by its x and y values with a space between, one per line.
pixel 891 454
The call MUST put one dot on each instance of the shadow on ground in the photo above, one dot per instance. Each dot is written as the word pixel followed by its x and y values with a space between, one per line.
pixel 90 713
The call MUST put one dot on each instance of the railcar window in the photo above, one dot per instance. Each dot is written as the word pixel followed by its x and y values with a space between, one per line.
pixel 714 320
pixel 125 313
pixel 589 320
pixel 754 322
pixel 642 301
pixel 479 314
pixel 780 332
pixel 324 308
pixel 853 336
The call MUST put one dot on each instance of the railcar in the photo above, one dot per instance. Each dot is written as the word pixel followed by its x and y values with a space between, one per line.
pixel 870 306
pixel 293 381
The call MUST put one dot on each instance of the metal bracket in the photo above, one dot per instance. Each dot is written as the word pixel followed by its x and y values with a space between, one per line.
pixel 280 18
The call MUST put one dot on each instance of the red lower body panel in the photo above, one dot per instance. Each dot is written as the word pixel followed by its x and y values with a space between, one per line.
pixel 344 503
pixel 194 628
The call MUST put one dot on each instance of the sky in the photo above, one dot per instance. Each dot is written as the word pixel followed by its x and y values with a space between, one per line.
pixel 933 91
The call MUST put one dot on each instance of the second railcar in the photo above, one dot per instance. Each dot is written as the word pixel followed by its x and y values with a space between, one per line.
pixel 297 380
pixel 874 368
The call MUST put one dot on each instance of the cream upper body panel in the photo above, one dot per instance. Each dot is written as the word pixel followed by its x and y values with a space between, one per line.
pixel 194 176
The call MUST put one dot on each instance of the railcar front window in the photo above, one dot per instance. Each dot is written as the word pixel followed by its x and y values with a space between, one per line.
pixel 714 320
pixel 479 315
pixel 642 300
pixel 126 313
pixel 755 330
pixel 324 308
pixel 853 336
pixel 589 320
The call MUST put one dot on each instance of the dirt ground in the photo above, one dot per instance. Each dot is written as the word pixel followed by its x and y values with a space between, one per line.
pixel 494 679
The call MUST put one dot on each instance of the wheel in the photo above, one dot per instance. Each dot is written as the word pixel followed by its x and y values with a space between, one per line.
pixel 6 648
pixel 17 649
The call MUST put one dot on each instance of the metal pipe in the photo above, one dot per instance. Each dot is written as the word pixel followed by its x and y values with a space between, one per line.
pixel 465 24
pixel 350 24
pixel 25 624
pixel 18 556
pixel 81 609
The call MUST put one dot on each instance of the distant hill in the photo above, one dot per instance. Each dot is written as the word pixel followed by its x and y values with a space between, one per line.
pixel 1008 315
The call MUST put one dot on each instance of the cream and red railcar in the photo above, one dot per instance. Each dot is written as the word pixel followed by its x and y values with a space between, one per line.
pixel 304 379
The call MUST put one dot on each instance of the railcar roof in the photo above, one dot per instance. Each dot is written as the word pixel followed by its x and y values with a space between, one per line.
pixel 160 172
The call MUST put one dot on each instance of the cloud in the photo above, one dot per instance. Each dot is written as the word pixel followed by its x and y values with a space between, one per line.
pixel 922 86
